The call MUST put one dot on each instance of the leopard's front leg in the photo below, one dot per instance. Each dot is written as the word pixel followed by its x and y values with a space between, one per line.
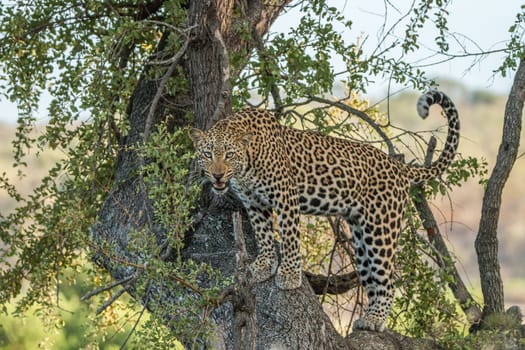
pixel 261 219
pixel 290 270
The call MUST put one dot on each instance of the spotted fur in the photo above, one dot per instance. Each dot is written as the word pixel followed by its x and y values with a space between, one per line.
pixel 271 166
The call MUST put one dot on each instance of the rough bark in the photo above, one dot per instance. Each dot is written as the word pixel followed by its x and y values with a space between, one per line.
pixel 487 239
pixel 285 319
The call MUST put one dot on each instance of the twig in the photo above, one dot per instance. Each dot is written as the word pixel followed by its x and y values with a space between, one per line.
pixel 133 328
pixel 182 32
pixel 160 88
pixel 107 287
pixel 335 230
pixel 342 238
pixel 363 116
pixel 359 302
pixel 112 299
pixel 145 267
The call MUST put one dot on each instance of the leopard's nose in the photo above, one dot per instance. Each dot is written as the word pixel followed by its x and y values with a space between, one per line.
pixel 218 177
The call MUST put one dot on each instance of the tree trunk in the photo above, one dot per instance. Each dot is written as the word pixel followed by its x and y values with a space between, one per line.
pixel 487 239
pixel 285 319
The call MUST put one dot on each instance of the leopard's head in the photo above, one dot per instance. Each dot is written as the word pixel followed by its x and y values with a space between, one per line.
pixel 222 153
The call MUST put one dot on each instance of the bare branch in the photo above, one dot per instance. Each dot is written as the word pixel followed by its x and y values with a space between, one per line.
pixel 186 33
pixel 169 72
pixel 363 116
pixel 242 253
pixel 137 321
pixel 111 300
pixel 107 287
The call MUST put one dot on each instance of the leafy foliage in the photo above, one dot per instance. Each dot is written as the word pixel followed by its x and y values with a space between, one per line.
pixel 425 306
pixel 515 50
pixel 299 64
pixel 420 17
pixel 165 174
pixel 88 56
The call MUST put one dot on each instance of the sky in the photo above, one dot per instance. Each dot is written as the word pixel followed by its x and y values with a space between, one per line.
pixel 485 23
pixel 482 24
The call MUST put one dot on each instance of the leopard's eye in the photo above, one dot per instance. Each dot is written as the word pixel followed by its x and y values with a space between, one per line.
pixel 229 155
pixel 207 154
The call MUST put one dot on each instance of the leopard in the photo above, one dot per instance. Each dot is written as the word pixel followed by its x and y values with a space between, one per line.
pixel 272 167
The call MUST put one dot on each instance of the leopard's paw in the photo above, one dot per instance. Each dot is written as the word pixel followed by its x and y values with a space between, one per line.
pixel 368 323
pixel 288 279
pixel 263 268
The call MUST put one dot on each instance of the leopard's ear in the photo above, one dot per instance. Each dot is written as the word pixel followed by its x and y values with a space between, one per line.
pixel 196 135
pixel 246 138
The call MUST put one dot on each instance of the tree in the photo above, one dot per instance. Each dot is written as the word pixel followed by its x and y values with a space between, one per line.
pixel 487 241
pixel 142 72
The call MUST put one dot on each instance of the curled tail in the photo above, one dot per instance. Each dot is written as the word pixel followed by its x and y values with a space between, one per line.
pixel 419 174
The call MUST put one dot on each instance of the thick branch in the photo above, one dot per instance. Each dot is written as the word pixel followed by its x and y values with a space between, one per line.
pixel 244 317
pixel 148 9
pixel 333 284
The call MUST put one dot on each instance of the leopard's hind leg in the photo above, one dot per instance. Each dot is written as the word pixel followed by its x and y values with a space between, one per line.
pixel 374 245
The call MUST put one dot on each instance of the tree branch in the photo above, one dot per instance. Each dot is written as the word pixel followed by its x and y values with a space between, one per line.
pixel 107 287
pixel 460 291
pixel 112 299
pixel 148 9
pixel 274 89
pixel 244 317
pixel 169 72
pixel 363 116
pixel 332 284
